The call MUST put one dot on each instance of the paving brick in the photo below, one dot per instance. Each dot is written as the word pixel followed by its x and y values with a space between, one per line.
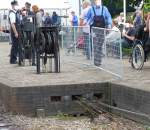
pixel 23 91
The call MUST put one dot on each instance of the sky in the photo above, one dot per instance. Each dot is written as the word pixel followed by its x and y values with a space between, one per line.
pixel 40 3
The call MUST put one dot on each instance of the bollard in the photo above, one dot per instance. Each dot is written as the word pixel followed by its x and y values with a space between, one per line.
pixel 40 113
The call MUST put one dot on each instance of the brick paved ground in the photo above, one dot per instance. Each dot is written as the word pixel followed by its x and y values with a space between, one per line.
pixel 26 76
pixel 139 79
pixel 15 76
pixel 70 73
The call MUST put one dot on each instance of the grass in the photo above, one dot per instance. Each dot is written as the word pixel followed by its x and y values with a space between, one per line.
pixel 148 128
pixel 63 116
pixel 126 51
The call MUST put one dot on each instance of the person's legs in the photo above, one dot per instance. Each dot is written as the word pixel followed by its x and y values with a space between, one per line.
pixel 31 48
pixel 98 51
pixel 10 41
pixel 33 56
pixel 147 49
pixel 14 50
pixel 98 46
pixel 87 45
pixel 125 43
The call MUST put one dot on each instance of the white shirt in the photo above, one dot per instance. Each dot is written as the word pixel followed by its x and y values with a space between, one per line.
pixel 84 12
pixel 114 34
pixel 114 28
pixel 12 16
pixel 86 28
pixel 39 19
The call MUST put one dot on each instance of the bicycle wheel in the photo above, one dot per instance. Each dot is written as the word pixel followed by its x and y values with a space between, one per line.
pixel 138 57
pixel 56 52
pixel 49 45
pixel 41 43
pixel 40 50
pixel 21 50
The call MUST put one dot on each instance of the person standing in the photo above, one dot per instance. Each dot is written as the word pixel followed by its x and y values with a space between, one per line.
pixel 99 16
pixel 138 21
pixel 86 28
pixel 55 19
pixel 48 21
pixel 147 36
pixel 14 26
pixel 74 26
pixel 148 24
pixel 38 16
pixel 43 15
pixel 28 8
pixel 74 19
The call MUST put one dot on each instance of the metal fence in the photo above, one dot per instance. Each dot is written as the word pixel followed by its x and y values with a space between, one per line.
pixel 107 50
pixel 4 25
pixel 76 44
pixel 101 48
pixel 4 37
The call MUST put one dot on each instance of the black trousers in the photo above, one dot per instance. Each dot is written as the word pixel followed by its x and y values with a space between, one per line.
pixel 98 42
pixel 14 48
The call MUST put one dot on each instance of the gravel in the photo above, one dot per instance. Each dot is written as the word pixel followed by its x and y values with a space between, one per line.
pixel 80 123
pixel 9 121
pixel 65 122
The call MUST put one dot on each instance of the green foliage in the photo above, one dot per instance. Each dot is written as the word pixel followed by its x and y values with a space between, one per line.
pixel 147 1
pixel 63 116
pixel 116 6
pixel 148 128
pixel 147 7
pixel 126 51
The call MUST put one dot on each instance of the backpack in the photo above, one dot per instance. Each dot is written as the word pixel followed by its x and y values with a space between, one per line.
pixel 98 20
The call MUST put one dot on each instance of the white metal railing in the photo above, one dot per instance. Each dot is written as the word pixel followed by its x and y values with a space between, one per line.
pixel 99 47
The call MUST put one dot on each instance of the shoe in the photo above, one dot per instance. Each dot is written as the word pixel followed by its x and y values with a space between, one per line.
pixel 33 64
pixel 15 62
pixel 130 60
pixel 21 63
pixel 97 64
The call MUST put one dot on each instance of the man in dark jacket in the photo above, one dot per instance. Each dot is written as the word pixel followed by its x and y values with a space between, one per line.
pixel 14 24
pixel 55 19
pixel 48 20
pixel 28 8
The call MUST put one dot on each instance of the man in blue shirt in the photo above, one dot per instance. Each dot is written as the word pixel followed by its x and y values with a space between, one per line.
pixel 56 19
pixel 98 7
pixel 98 11
pixel 74 20
pixel 138 19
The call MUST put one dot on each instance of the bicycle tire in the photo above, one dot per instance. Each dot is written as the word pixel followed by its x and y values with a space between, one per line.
pixel 138 57
pixel 56 52
pixel 40 50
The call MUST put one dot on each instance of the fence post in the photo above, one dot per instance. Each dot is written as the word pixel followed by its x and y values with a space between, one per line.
pixel 62 38
pixel 92 36
pixel 90 44
pixel 74 39
pixel 121 55
pixel 105 47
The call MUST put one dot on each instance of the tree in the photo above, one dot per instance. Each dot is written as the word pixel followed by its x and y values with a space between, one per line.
pixel 147 6
pixel 116 6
